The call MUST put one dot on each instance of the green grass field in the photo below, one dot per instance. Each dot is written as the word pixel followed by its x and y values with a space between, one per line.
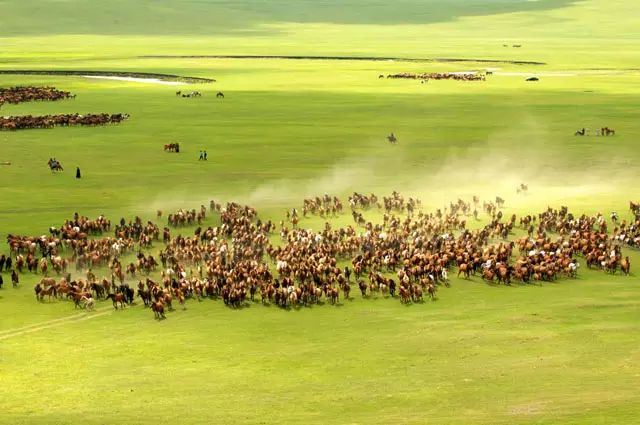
pixel 561 353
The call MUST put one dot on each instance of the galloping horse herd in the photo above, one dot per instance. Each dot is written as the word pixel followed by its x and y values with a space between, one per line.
pixel 426 76
pixel 17 95
pixel 64 120
pixel 407 254
pixel 603 131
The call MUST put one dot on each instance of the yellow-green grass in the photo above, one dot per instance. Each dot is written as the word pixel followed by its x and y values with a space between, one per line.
pixel 564 352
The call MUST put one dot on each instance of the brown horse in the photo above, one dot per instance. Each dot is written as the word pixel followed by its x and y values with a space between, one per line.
pixel 488 275
pixel 625 265
pixel 431 290
pixel 363 288
pixel 504 275
pixel 416 293
pixel 37 289
pixel 106 285
pixel 405 296
pixel 117 298
pixel 346 288
pixel 47 281
pixel 167 300
pixel 158 310
pixel 44 266
pixel 334 295
pixel 180 298
pixel 464 268
pixel 50 291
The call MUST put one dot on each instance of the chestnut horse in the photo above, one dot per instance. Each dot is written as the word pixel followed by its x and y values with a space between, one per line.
pixel 625 265
pixel 158 309
pixel 117 298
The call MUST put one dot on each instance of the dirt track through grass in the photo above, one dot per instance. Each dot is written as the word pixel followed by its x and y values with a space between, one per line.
pixel 11 333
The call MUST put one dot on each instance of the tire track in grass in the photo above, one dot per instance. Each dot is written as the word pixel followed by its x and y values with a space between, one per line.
pixel 10 333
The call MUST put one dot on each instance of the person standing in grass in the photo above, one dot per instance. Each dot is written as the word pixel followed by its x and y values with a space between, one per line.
pixel 201 156
pixel 78 172
pixel 205 155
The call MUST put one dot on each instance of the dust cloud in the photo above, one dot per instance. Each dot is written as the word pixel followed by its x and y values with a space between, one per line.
pixel 494 167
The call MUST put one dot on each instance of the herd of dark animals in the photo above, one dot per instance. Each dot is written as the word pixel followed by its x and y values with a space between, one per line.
pixel 20 94
pixel 24 122
pixel 16 95
pixel 231 259
pixel 603 131
pixel 458 76
pixel 179 93
pixel 426 76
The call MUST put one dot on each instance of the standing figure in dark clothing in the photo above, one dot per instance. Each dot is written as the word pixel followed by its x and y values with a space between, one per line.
pixel 78 173
pixel 205 155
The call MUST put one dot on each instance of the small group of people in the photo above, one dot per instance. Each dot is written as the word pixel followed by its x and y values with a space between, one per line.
pixel 203 156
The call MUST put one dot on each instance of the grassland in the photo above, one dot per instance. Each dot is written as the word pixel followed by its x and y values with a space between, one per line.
pixel 563 353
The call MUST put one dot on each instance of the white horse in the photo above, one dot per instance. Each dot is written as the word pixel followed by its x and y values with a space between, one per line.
pixel 116 248
pixel 87 302
pixel 281 266
pixel 444 274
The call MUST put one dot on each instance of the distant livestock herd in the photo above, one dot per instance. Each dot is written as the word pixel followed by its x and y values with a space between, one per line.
pixel 17 95
pixel 426 76
pixel 48 121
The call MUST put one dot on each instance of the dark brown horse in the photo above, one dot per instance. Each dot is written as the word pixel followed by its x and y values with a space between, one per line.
pixel 347 289
pixel 145 295
pixel 117 298
pixel 363 288
pixel 431 290
pixel 47 292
